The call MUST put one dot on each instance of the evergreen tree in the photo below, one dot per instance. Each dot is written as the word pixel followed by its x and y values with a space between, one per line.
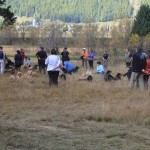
pixel 141 24
pixel 8 16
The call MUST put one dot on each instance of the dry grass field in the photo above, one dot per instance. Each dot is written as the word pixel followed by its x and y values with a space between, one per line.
pixel 78 115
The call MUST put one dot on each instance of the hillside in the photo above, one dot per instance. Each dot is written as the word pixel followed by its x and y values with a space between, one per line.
pixel 76 10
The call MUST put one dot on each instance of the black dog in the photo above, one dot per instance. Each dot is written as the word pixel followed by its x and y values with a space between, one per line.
pixel 63 76
pixel 89 78
pixel 109 77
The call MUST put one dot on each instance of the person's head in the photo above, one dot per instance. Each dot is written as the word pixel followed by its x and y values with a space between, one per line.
pixel 53 52
pixel 105 51
pixel 65 49
pixel 41 48
pixel 1 47
pixel 21 50
pixel 91 51
pixel 18 52
pixel 84 49
pixel 98 63
pixel 126 50
pixel 26 57
pixel 138 49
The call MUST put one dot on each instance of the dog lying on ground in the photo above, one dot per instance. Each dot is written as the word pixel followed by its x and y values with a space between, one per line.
pixel 109 77
pixel 87 76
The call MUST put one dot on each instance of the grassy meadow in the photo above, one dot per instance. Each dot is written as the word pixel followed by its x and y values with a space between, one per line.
pixel 78 115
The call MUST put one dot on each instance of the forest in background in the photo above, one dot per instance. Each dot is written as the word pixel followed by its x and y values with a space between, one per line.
pixel 76 11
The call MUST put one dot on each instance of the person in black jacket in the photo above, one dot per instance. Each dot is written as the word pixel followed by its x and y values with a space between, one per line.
pixel 41 55
pixel 18 60
pixel 138 65
pixel 65 55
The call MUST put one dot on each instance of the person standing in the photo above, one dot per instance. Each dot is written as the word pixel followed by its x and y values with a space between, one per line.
pixel 138 64
pixel 22 54
pixel 105 59
pixel 91 58
pixel 2 60
pixel 65 55
pixel 18 60
pixel 41 55
pixel 146 73
pixel 127 58
pixel 53 67
pixel 84 57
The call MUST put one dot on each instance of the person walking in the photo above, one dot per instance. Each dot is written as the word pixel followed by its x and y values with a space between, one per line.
pixel 41 55
pixel 2 60
pixel 138 65
pixel 65 55
pixel 53 67
pixel 105 59
pixel 84 57
pixel 128 58
pixel 91 58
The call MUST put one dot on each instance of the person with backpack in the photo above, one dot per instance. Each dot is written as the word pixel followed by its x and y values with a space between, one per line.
pixel 41 55
pixel 138 65
pixel 65 55
pixel 2 60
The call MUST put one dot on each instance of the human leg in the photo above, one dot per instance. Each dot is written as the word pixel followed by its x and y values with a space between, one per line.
pixel 141 81
pixel 133 79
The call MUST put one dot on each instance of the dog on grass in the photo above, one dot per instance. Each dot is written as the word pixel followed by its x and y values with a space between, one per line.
pixel 109 77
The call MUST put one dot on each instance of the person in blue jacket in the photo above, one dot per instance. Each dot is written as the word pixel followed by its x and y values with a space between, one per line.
pixel 100 68
pixel 68 66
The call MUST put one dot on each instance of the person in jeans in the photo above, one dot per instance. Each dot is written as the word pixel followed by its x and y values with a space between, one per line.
pixel 53 67
pixel 84 57
pixel 90 58
pixel 138 64
pixel 65 55
pixel 2 60
pixel 127 58
pixel 41 55
pixel 105 59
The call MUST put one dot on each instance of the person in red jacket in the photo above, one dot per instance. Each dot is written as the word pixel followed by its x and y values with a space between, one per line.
pixel 22 54
pixel 146 73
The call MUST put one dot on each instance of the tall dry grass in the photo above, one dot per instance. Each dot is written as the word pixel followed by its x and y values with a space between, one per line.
pixel 74 100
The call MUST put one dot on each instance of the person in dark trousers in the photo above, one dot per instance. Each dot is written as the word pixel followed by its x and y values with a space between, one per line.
pixel 65 55
pixel 105 59
pixel 18 60
pixel 90 58
pixel 53 67
pixel 41 55
pixel 138 65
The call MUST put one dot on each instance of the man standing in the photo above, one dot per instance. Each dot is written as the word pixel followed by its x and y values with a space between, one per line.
pixel 41 55
pixel 127 58
pixel 65 55
pixel 2 60
pixel 84 57
pixel 105 59
pixel 138 64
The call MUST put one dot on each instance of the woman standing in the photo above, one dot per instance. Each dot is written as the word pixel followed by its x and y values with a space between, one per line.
pixel 90 58
pixel 53 67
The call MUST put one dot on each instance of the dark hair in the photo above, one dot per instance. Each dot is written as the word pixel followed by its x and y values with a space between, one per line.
pixel 99 63
pixel 42 48
pixel 53 52
pixel 139 48
pixel 1 47
pixel 18 52
pixel 65 48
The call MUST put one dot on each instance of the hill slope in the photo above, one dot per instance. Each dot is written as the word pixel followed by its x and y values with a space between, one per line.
pixel 75 10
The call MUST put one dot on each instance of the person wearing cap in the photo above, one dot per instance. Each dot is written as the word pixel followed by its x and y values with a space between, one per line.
pixel 84 57
pixel 18 60
pixel 138 64
pixel 105 59
pixel 53 67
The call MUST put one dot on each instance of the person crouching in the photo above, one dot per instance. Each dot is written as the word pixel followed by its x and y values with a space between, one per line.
pixel 53 67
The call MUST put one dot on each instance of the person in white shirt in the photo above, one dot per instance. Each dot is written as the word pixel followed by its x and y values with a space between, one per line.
pixel 53 67
pixel 26 63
